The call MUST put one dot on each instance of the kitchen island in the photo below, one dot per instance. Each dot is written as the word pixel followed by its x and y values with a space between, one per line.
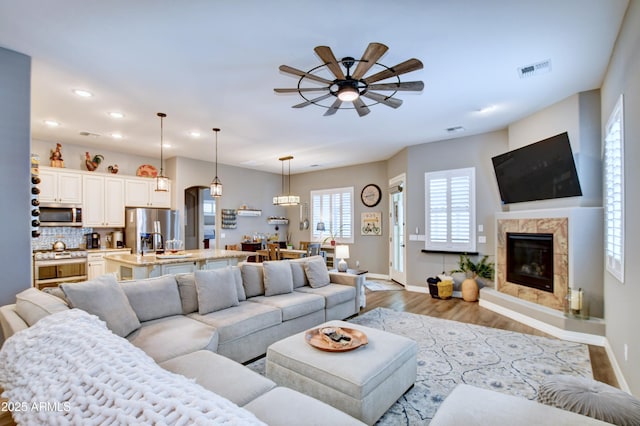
pixel 133 267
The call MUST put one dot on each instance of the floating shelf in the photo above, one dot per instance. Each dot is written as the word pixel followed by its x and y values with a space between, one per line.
pixel 249 212
pixel 278 221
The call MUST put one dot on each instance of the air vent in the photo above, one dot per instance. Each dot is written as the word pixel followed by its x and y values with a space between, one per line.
pixel 455 129
pixel 95 135
pixel 535 69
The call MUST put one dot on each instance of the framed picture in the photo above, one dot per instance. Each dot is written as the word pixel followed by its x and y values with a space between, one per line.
pixel 371 223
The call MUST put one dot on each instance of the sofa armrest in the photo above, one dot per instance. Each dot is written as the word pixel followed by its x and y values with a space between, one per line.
pixel 353 280
pixel 10 321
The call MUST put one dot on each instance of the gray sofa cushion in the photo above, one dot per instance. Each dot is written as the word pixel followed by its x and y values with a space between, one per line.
pixel 188 292
pixel 334 294
pixel 293 305
pixel 237 276
pixel 216 373
pixel 242 320
pixel 153 298
pixel 33 304
pixel 317 273
pixel 216 290
pixel 169 337
pixel 297 271
pixel 278 278
pixel 105 298
pixel 252 279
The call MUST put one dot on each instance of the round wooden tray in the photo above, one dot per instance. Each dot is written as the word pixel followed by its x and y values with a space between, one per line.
pixel 316 339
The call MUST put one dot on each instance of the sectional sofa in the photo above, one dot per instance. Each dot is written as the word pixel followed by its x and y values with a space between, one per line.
pixel 201 325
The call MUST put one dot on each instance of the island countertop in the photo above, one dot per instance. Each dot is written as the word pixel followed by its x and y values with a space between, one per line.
pixel 182 257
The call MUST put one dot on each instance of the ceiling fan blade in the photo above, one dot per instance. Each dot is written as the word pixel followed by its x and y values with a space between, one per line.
pixel 369 58
pixel 327 56
pixel 388 101
pixel 361 108
pixel 334 107
pixel 307 103
pixel 402 68
pixel 302 89
pixel 294 71
pixel 414 86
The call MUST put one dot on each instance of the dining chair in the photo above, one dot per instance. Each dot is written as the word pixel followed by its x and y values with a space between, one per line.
pixel 304 245
pixel 315 249
pixel 274 251
pixel 232 247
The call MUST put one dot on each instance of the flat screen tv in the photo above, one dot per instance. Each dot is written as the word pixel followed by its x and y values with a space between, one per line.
pixel 540 171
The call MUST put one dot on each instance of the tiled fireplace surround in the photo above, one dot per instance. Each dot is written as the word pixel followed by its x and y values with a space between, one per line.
pixel 578 263
pixel 559 227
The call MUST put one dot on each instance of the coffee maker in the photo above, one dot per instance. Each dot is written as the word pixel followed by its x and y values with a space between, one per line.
pixel 93 240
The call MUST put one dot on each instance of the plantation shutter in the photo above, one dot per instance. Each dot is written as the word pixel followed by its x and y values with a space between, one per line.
pixel 334 207
pixel 450 210
pixel 614 192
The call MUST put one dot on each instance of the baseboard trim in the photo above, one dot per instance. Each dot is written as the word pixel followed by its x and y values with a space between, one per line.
pixel 622 383
pixel 416 289
pixel 589 339
pixel 377 276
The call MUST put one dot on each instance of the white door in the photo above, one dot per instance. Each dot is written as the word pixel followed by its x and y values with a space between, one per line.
pixel 397 243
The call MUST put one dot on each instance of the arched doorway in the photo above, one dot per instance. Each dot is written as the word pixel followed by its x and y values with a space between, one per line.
pixel 200 218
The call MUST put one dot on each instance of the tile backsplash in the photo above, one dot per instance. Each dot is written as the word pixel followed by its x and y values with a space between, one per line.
pixel 73 237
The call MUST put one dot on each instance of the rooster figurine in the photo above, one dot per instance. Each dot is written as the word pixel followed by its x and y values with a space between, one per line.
pixel 93 163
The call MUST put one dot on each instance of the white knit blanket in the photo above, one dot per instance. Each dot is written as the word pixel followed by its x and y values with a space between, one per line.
pixel 69 369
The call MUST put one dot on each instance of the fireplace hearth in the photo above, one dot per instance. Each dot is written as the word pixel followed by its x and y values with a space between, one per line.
pixel 530 260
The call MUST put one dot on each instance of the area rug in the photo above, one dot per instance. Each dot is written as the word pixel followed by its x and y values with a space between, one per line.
pixel 451 352
pixel 378 285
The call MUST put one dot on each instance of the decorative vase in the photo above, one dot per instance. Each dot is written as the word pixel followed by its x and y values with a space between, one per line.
pixel 470 290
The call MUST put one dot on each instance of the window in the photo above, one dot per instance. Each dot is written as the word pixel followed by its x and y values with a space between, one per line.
pixel 613 192
pixel 333 207
pixel 450 210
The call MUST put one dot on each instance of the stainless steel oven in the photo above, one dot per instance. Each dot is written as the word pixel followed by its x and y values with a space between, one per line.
pixel 53 268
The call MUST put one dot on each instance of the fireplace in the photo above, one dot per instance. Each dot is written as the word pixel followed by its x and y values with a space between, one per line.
pixel 530 260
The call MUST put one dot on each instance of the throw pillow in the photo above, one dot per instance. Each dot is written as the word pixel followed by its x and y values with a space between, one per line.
pixel 216 290
pixel 33 305
pixel 317 272
pixel 278 278
pixel 237 276
pixel 104 298
pixel 252 279
pixel 188 292
pixel 153 298
pixel 297 270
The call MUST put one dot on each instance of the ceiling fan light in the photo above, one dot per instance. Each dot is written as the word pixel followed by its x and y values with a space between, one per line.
pixel 348 94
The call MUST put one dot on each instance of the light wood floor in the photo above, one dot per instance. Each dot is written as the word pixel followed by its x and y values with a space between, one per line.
pixel 471 312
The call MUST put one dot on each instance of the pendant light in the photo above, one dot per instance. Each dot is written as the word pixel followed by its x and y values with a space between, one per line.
pixel 216 186
pixel 286 199
pixel 162 182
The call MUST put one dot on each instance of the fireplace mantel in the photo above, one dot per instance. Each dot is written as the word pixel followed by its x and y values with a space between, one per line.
pixel 578 254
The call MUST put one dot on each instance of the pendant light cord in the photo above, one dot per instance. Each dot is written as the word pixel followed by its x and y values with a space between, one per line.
pixel 161 115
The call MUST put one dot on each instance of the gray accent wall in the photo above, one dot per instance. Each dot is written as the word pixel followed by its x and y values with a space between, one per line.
pixel 472 151
pixel 621 299
pixel 15 135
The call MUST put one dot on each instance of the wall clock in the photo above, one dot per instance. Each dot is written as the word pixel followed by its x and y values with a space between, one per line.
pixel 371 195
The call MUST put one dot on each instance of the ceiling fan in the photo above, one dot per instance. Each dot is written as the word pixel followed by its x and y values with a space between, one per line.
pixel 352 87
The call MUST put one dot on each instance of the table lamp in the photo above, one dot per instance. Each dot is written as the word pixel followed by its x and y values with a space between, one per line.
pixel 342 253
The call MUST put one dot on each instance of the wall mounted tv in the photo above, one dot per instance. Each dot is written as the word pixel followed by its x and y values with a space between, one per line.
pixel 540 171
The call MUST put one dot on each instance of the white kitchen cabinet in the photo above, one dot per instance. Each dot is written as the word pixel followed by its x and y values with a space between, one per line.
pixel 103 204
pixel 141 192
pixel 60 187
pixel 96 265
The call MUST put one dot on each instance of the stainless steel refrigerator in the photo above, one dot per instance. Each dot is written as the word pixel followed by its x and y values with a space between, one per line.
pixel 147 230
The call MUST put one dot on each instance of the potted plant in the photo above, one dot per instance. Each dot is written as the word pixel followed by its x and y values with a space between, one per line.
pixel 483 269
pixel 332 236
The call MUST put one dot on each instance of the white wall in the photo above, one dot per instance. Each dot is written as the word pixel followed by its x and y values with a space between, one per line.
pixel 621 299
pixel 15 113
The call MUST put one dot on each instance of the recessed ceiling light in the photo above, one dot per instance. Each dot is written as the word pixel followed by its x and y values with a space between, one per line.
pixel 252 163
pixel 194 134
pixel 51 123
pixel 116 135
pixel 83 93
pixel 487 109
pixel 116 114
pixel 166 145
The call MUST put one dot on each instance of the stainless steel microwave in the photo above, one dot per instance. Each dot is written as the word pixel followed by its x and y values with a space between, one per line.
pixel 60 216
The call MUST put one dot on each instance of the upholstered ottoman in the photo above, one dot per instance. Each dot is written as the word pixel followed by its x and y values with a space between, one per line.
pixel 364 382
